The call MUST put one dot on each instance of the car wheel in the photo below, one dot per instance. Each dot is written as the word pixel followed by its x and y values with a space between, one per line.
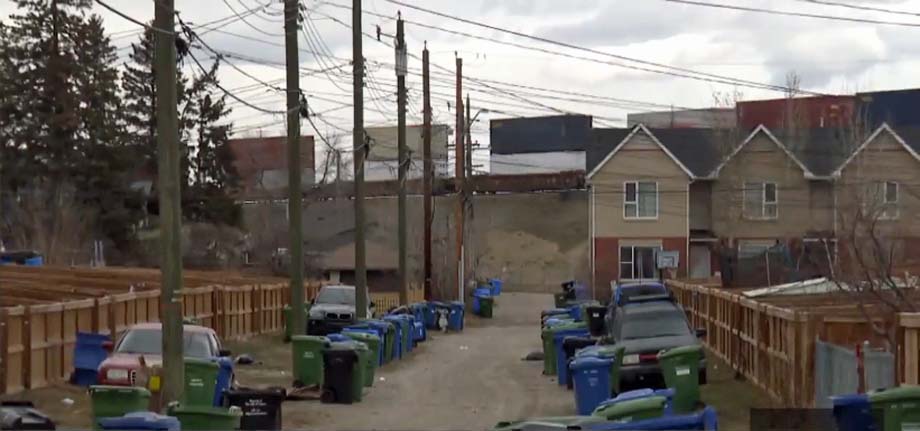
pixel 703 376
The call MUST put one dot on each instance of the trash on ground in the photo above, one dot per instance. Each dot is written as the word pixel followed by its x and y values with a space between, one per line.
pixel 533 356
pixel 245 359
pixel 67 401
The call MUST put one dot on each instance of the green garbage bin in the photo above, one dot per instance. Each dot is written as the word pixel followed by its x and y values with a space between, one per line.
pixel 288 330
pixel 486 303
pixel 559 299
pixel 680 367
pixel 206 418
pixel 307 359
pixel 633 410
pixel 897 408
pixel 200 381
pixel 357 381
pixel 115 401
pixel 549 350
pixel 373 345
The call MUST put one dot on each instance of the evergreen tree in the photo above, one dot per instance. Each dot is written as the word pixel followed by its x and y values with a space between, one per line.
pixel 59 101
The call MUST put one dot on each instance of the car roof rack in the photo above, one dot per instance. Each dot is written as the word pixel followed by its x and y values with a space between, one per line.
pixel 646 298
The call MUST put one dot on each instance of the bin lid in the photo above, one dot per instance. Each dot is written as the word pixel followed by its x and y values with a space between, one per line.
pixel 697 420
pixel 589 362
pixel 309 339
pixel 205 410
pixel 337 337
pixel 134 390
pixel 201 362
pixel 900 393
pixel 141 421
pixel 628 407
pixel 361 336
pixel 850 400
pixel 560 334
pixel 680 351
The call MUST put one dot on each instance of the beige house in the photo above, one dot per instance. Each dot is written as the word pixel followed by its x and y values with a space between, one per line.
pixel 715 202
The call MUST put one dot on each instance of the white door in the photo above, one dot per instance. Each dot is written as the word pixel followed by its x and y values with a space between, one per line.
pixel 700 261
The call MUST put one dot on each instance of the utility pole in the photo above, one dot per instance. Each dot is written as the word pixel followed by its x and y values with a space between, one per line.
pixel 295 196
pixel 467 194
pixel 459 167
pixel 426 176
pixel 170 207
pixel 468 154
pixel 360 149
pixel 401 67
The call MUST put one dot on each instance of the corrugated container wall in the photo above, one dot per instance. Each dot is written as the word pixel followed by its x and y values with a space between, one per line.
pixel 800 112
pixel 898 108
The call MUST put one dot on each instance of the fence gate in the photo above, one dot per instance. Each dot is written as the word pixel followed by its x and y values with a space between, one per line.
pixel 835 371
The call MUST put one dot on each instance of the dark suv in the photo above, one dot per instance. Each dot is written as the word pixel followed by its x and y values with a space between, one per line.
pixel 645 328
pixel 332 309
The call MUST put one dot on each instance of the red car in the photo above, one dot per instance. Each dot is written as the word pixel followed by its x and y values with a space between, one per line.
pixel 146 340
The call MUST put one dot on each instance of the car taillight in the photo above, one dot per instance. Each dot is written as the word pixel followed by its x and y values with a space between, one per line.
pixel 648 357
pixel 133 377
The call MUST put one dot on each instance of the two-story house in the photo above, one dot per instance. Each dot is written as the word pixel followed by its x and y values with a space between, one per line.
pixel 707 193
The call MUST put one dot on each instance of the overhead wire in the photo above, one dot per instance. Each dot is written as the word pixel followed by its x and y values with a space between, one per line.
pixel 788 13
pixel 861 7
pixel 668 69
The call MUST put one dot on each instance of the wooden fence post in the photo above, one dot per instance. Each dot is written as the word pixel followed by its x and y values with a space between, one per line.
pixel 27 348
pixel 4 350
pixel 257 309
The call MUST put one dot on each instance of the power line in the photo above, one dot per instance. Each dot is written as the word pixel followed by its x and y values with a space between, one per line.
pixel 860 7
pixel 788 13
pixel 256 28
pixel 129 18
pixel 685 73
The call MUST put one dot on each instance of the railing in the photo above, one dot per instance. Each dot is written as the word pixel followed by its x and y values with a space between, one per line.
pixel 772 347
pixel 37 342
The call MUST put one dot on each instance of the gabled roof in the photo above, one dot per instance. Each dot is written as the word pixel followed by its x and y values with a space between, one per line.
pixel 911 133
pixel 694 150
pixel 821 150
pixel 763 130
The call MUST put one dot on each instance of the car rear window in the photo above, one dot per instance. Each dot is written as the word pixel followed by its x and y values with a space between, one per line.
pixel 336 295
pixel 150 342
pixel 651 325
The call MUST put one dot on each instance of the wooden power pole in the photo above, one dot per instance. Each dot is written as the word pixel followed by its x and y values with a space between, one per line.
pixel 427 174
pixel 460 169
pixel 170 206
pixel 401 68
pixel 295 196
pixel 360 149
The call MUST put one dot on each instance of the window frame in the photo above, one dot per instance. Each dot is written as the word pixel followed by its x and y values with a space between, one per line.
pixel 636 203
pixel 764 203
pixel 894 204
pixel 633 264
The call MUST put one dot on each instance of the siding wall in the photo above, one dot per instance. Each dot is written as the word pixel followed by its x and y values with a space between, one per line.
pixel 641 159
pixel 798 213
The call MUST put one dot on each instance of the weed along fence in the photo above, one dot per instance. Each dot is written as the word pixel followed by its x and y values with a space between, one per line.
pixel 42 310
pixel 771 340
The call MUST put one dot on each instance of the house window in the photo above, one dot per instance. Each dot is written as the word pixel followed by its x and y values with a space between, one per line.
pixel 638 262
pixel 883 200
pixel 760 201
pixel 640 200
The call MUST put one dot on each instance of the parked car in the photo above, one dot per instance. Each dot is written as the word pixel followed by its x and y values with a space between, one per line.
pixel 146 340
pixel 624 293
pixel 646 328
pixel 333 309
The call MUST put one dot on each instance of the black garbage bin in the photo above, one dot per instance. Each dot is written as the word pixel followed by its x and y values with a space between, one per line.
pixel 261 407
pixel 338 374
pixel 595 318
pixel 570 345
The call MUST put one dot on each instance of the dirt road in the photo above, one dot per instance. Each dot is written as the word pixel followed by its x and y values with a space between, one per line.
pixel 466 380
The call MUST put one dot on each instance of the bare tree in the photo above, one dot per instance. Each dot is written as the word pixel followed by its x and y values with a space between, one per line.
pixel 51 220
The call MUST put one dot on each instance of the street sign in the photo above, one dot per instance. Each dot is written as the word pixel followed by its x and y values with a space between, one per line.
pixel 668 259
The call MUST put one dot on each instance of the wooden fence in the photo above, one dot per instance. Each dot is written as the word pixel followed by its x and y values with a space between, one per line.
pixel 772 347
pixel 37 341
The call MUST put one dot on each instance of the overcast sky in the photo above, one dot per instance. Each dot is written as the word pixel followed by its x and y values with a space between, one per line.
pixel 830 56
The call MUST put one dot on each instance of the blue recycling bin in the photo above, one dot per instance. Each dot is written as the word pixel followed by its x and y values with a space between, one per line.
pixel 336 338
pixel 636 394
pixel 88 353
pixel 480 292
pixel 562 369
pixel 457 311
pixel 418 330
pixel 854 413
pixel 399 350
pixel 370 331
pixel 705 420
pixel 420 311
pixel 575 312
pixel 496 285
pixel 431 317
pixel 140 421
pixel 591 380
pixel 224 377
